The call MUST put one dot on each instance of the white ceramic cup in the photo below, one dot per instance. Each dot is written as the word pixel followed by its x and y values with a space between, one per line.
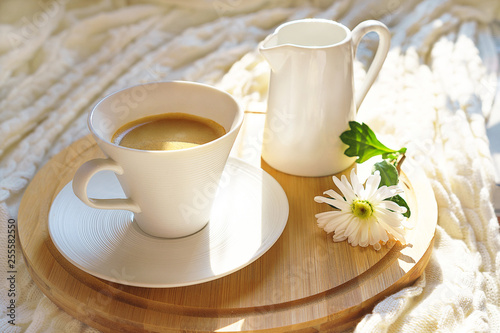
pixel 170 192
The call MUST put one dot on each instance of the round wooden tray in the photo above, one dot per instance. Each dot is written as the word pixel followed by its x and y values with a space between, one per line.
pixel 305 282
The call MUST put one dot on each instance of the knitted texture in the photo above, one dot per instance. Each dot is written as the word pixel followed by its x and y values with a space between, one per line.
pixel 434 95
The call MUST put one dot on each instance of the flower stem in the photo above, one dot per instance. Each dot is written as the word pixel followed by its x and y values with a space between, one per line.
pixel 400 163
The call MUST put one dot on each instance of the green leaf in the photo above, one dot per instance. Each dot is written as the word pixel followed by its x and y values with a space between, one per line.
pixel 401 202
pixel 364 144
pixel 388 173
pixel 389 176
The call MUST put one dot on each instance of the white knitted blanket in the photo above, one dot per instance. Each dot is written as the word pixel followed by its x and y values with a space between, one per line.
pixel 433 95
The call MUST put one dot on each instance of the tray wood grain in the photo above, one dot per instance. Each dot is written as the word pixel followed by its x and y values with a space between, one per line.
pixel 304 283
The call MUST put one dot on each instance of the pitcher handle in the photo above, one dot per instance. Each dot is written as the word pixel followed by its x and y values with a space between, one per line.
pixel 383 48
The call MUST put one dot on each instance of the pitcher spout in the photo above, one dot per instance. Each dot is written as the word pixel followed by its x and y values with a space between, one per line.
pixel 295 37
pixel 272 52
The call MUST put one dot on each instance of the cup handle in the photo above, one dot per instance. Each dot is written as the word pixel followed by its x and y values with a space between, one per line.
pixel 83 176
pixel 383 48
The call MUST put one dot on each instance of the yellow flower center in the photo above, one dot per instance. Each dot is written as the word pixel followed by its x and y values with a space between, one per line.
pixel 362 209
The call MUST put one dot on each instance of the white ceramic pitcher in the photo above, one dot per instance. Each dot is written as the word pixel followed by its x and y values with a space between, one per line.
pixel 311 93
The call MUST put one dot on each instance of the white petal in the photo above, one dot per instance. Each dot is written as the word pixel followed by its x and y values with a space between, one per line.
pixel 333 221
pixel 353 235
pixel 407 224
pixel 396 189
pixel 334 195
pixel 364 237
pixel 381 234
pixel 372 185
pixel 339 238
pixel 325 218
pixel 345 188
pixel 341 228
pixel 320 199
pixel 389 217
pixel 330 214
pixel 392 218
pixel 336 224
pixel 340 204
pixel 329 201
pixel 375 231
pixel 392 206
pixel 356 185
pixel 383 193
pixel 396 232
pixel 378 235
pixel 352 227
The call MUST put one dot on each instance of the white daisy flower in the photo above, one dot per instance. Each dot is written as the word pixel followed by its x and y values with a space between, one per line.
pixel 364 216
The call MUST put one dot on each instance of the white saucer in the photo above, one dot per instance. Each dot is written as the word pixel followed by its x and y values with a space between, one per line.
pixel 249 214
